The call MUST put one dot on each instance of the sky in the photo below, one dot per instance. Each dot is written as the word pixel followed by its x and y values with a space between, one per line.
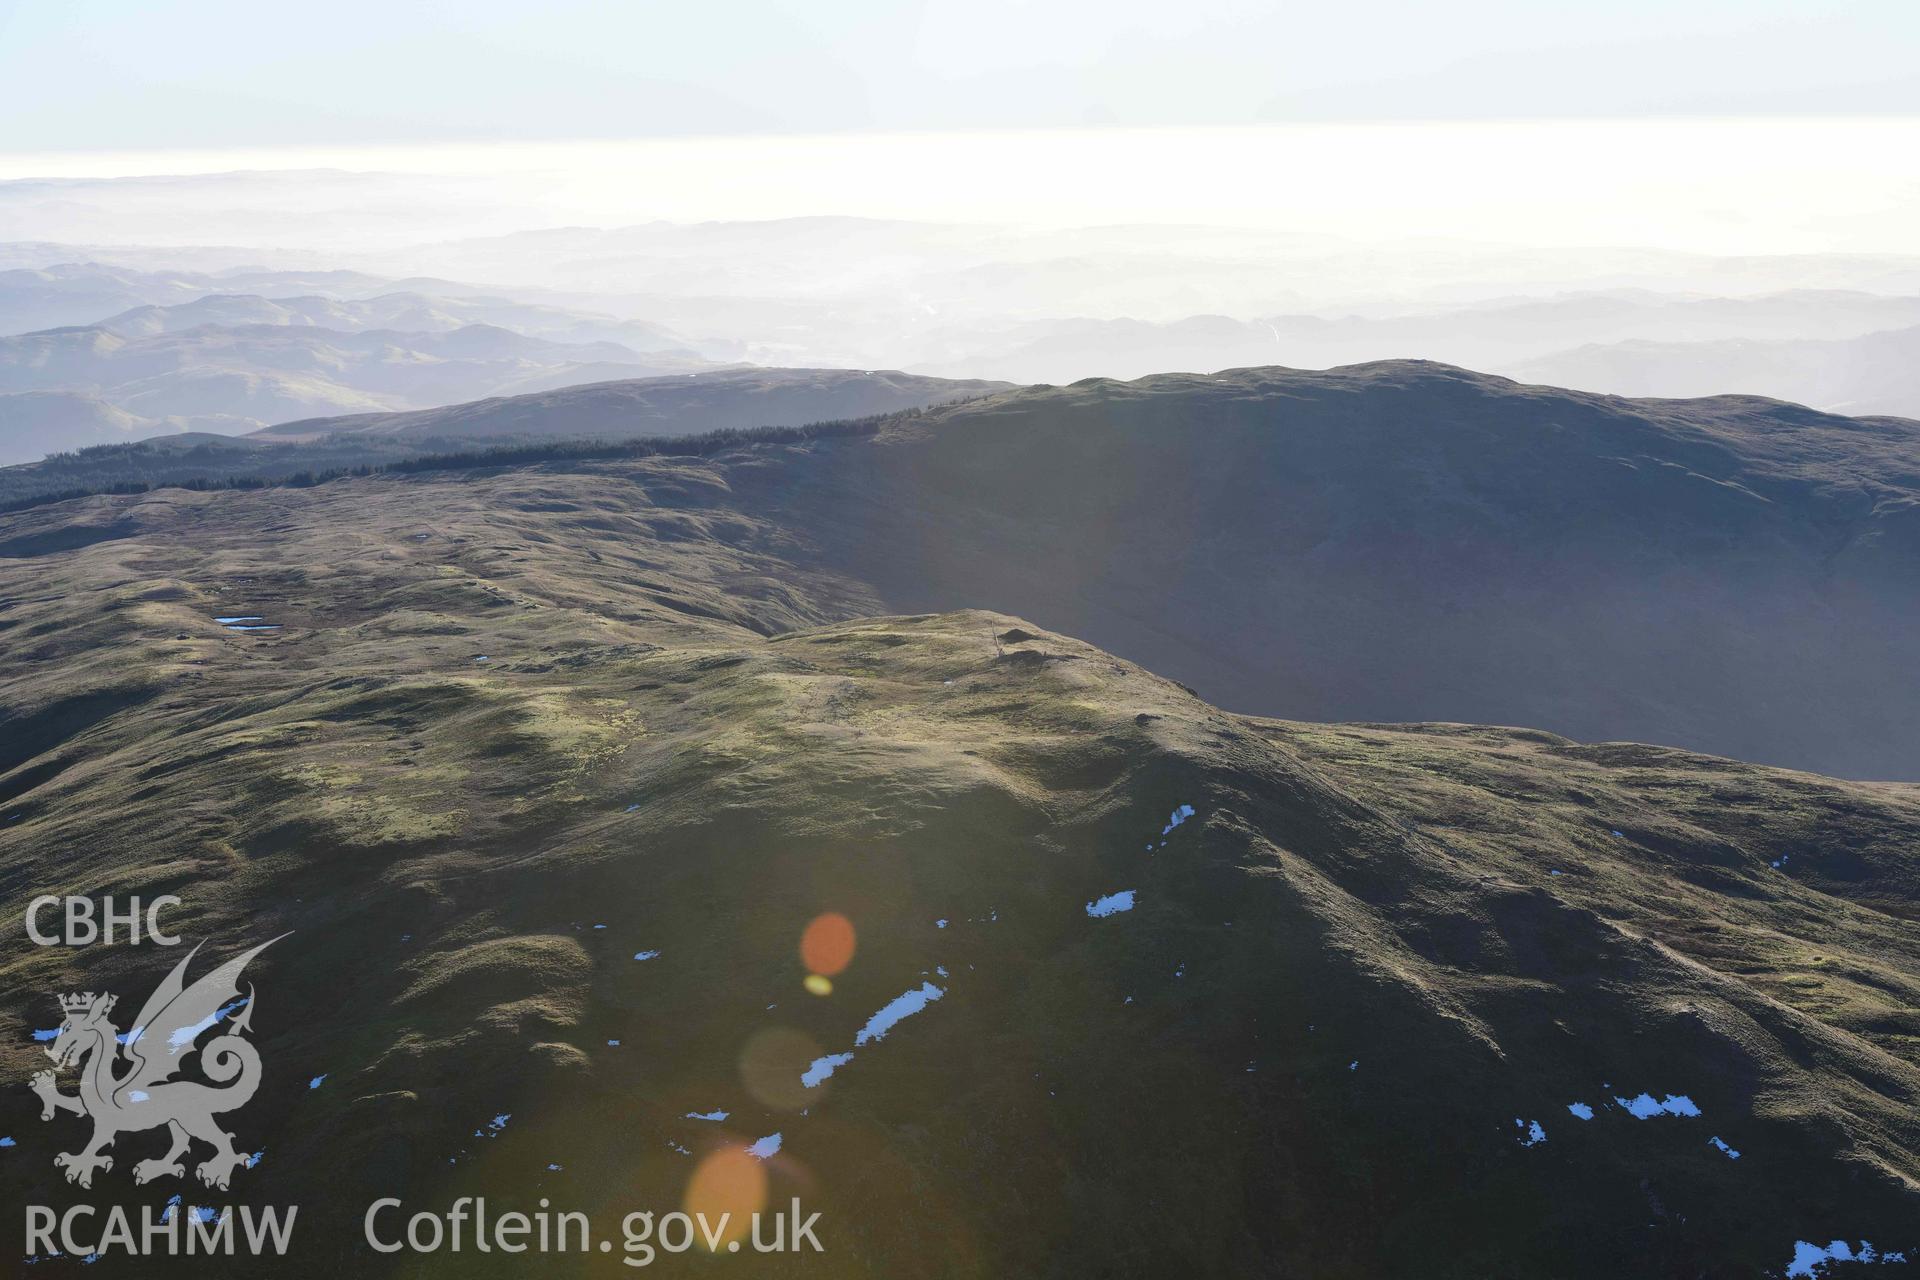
pixel 1715 126
pixel 128 74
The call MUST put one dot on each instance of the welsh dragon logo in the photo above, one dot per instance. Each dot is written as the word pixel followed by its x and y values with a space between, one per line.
pixel 144 1095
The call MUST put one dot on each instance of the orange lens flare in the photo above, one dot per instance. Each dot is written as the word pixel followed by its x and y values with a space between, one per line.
pixel 728 1182
pixel 772 1063
pixel 826 948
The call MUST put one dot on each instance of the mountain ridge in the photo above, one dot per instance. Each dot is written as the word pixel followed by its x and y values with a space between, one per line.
pixel 1731 575
pixel 689 404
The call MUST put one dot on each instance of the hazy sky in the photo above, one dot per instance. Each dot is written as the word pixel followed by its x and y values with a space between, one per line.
pixel 82 74
pixel 1716 126
pixel 1817 185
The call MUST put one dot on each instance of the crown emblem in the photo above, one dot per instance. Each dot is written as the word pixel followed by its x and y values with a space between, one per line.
pixel 84 1002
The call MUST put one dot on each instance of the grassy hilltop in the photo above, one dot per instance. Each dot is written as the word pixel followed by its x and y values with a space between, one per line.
pixel 506 708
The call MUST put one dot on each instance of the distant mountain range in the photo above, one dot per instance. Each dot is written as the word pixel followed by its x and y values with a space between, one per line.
pixel 944 302
pixel 230 379
pixel 133 352
pixel 1504 336
pixel 402 311
pixel 64 294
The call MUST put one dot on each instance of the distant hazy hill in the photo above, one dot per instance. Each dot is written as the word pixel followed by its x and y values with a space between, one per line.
pixel 52 297
pixel 235 378
pixel 1487 335
pixel 1872 373
pixel 80 293
pixel 663 406
pixel 402 311
pixel 29 420
pixel 234 350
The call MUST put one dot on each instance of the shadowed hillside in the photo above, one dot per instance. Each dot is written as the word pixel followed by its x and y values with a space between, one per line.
pixel 1410 541
pixel 549 770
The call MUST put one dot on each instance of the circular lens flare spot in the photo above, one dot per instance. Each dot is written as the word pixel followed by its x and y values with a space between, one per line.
pixel 818 985
pixel 826 948
pixel 772 1063
pixel 730 1182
